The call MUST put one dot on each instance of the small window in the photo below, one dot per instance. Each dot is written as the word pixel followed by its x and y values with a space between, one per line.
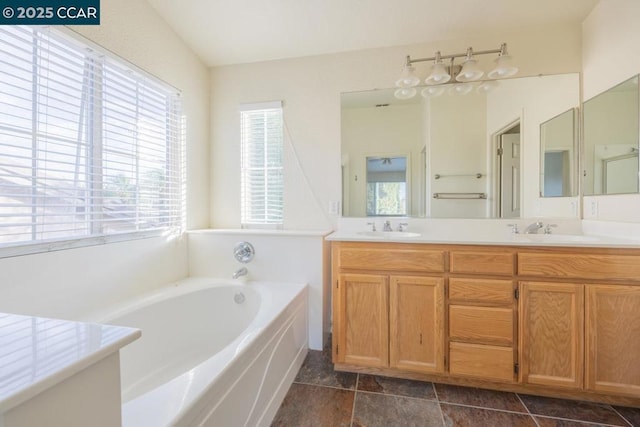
pixel 262 186
pixel 90 148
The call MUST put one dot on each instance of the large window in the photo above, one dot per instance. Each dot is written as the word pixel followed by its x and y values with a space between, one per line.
pixel 261 137
pixel 89 147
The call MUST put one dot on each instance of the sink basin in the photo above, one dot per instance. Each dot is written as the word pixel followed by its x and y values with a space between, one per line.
pixel 558 238
pixel 389 234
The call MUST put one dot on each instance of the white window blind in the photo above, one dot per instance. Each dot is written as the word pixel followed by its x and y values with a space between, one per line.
pixel 89 147
pixel 262 187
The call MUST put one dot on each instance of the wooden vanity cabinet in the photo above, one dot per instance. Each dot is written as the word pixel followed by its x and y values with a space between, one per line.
pixel 551 334
pixel 416 323
pixel 482 315
pixel 582 333
pixel 554 321
pixel 388 306
pixel 361 335
pixel 612 318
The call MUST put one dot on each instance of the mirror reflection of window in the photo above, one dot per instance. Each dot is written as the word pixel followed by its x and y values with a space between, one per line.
pixel 386 186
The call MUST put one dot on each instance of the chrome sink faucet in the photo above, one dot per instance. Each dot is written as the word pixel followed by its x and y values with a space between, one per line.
pixel 387 226
pixel 533 228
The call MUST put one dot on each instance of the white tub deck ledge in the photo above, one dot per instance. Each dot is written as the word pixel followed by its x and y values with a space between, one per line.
pixel 60 373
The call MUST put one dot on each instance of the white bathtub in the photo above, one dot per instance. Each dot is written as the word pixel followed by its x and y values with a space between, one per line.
pixel 205 359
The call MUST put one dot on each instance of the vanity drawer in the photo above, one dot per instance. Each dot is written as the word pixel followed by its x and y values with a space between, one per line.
pixel 488 325
pixel 392 258
pixel 481 361
pixel 487 291
pixel 574 266
pixel 485 262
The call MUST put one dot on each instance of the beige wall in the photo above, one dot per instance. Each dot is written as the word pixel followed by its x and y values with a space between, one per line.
pixel 73 282
pixel 611 37
pixel 311 87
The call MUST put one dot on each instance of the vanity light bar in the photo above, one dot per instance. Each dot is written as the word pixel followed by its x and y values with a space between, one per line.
pixel 442 73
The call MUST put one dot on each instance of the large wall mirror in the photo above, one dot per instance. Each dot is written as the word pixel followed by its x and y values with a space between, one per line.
pixel 457 151
pixel 611 142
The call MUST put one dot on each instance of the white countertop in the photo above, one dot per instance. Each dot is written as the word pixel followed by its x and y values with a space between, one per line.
pixel 37 353
pixel 509 239
pixel 475 231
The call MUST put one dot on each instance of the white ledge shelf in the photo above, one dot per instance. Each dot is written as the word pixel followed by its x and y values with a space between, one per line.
pixel 37 353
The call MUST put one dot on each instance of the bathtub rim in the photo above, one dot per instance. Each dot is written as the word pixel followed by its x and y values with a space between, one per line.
pixel 166 392
pixel 170 290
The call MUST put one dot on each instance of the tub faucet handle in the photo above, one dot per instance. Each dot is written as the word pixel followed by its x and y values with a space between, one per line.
pixel 373 225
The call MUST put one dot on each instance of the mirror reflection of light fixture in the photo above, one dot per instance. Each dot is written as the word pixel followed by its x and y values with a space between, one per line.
pixel 441 72
pixel 405 93
pixel 461 89
pixel 487 86
pixel 432 91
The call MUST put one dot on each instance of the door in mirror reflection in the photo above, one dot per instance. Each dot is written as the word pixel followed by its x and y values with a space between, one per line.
pixel 387 186
pixel 509 163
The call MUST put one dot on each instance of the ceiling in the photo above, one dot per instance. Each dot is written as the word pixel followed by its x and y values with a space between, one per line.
pixel 242 31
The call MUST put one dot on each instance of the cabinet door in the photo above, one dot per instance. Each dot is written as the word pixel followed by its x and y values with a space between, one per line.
pixel 613 339
pixel 362 320
pixel 552 331
pixel 416 310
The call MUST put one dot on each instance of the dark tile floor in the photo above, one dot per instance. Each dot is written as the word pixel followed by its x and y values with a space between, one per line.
pixel 320 396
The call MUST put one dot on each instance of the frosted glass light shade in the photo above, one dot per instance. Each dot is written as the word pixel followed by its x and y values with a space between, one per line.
pixel 504 68
pixel 470 71
pixel 432 91
pixel 439 74
pixel 461 89
pixel 408 77
pixel 487 86
pixel 405 93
